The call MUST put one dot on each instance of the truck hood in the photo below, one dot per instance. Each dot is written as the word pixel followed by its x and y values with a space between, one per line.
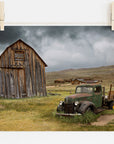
pixel 79 95
pixel 75 97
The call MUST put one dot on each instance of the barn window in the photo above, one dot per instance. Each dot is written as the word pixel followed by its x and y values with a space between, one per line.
pixel 19 56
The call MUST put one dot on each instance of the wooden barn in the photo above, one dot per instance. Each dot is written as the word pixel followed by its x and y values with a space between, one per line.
pixel 22 72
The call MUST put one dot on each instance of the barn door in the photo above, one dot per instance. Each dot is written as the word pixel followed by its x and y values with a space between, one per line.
pixel 22 83
pixel 17 83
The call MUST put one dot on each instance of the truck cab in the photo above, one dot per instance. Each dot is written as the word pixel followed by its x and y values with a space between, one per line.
pixel 92 93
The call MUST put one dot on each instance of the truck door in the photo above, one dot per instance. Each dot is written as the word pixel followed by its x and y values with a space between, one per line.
pixel 98 96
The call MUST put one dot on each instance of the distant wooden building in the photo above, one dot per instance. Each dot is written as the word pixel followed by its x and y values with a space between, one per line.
pixel 22 72
pixel 86 80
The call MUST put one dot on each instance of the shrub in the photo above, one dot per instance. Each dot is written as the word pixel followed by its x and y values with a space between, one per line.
pixel 86 118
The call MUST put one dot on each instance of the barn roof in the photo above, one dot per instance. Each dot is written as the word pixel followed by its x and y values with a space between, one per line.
pixel 26 45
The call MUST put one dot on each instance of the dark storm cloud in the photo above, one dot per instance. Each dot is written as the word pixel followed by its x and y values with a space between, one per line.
pixel 64 47
pixel 11 34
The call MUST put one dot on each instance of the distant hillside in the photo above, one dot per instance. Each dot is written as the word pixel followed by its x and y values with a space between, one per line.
pixel 105 73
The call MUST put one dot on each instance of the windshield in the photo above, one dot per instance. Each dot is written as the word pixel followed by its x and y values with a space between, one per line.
pixel 84 90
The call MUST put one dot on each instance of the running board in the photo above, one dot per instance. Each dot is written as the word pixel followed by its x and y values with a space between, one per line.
pixel 100 110
pixel 68 114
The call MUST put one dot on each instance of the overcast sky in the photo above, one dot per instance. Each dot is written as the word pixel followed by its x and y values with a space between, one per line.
pixel 65 47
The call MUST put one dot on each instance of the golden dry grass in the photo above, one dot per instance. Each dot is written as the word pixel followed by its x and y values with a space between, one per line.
pixel 37 114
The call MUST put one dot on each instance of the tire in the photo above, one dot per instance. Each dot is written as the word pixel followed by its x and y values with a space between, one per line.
pixel 111 105
pixel 88 110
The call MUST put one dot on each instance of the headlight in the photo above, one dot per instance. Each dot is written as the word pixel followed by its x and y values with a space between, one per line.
pixel 61 102
pixel 76 103
pixel 106 97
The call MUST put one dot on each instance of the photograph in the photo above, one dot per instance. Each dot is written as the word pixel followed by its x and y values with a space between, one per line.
pixel 57 78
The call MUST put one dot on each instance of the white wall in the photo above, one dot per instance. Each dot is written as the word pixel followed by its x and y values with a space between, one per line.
pixel 52 12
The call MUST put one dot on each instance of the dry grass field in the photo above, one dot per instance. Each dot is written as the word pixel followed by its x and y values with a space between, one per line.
pixel 38 113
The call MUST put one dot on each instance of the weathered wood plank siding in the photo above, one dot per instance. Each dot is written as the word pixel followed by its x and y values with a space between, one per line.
pixel 22 72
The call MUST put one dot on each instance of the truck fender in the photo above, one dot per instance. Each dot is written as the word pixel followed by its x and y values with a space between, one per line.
pixel 85 105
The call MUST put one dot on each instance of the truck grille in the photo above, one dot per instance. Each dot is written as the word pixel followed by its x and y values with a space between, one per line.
pixel 68 108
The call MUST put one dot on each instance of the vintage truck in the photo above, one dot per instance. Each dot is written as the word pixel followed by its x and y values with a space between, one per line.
pixel 87 97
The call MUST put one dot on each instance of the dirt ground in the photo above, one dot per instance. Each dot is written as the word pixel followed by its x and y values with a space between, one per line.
pixel 103 120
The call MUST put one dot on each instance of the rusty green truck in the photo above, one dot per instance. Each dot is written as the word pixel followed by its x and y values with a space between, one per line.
pixel 87 97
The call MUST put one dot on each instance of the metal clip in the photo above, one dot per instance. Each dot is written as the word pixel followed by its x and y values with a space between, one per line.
pixel 2 15
pixel 112 16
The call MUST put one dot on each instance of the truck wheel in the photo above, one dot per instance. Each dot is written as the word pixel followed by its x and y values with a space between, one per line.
pixel 111 105
pixel 88 109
